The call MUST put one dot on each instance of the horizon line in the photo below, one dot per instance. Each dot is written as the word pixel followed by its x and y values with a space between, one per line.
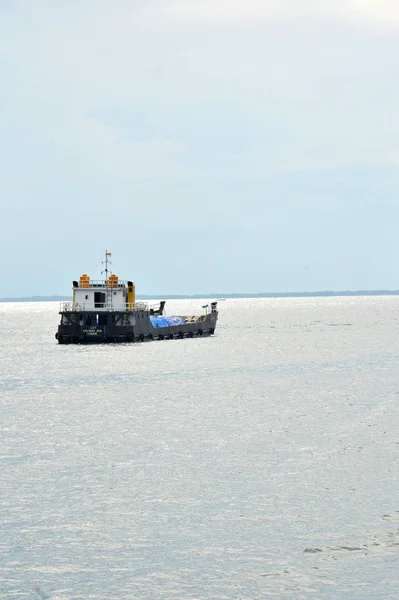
pixel 315 294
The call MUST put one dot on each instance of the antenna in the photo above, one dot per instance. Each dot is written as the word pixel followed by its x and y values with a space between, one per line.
pixel 106 261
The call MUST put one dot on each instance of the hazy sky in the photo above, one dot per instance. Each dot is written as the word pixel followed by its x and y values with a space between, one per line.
pixel 211 145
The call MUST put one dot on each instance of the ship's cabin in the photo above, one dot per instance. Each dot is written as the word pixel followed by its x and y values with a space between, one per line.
pixel 109 295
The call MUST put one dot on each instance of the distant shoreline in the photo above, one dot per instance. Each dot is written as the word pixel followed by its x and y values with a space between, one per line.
pixel 327 294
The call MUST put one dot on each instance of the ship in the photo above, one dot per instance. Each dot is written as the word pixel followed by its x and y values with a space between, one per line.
pixel 106 311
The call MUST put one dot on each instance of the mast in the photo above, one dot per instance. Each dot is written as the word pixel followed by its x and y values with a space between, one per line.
pixel 106 265
pixel 109 292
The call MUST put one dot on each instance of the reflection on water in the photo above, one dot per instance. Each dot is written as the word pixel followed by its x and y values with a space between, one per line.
pixel 260 463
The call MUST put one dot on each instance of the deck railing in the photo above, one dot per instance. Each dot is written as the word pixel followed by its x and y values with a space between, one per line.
pixel 102 283
pixel 102 306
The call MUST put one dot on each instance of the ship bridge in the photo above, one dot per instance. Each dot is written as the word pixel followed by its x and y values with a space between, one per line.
pixel 110 294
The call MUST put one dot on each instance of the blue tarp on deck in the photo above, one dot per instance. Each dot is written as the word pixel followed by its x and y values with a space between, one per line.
pixel 166 321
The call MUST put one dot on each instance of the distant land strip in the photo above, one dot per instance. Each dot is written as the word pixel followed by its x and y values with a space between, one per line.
pixel 326 294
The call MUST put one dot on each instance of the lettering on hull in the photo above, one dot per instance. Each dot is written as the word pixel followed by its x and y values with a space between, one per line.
pixel 92 331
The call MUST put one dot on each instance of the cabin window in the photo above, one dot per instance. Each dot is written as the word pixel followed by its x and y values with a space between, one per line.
pixel 86 297
pixel 99 299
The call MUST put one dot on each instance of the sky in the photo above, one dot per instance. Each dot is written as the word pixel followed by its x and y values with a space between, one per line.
pixel 213 146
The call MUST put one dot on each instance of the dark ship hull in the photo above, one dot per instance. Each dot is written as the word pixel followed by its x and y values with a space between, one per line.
pixel 89 327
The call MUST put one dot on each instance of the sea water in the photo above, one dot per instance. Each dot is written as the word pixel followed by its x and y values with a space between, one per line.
pixel 261 462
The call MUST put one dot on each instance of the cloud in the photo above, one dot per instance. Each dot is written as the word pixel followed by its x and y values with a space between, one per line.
pixel 375 12
pixel 257 11
pixel 121 158
pixel 307 90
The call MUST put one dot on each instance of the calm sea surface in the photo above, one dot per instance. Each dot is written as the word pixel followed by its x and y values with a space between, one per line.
pixel 259 463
